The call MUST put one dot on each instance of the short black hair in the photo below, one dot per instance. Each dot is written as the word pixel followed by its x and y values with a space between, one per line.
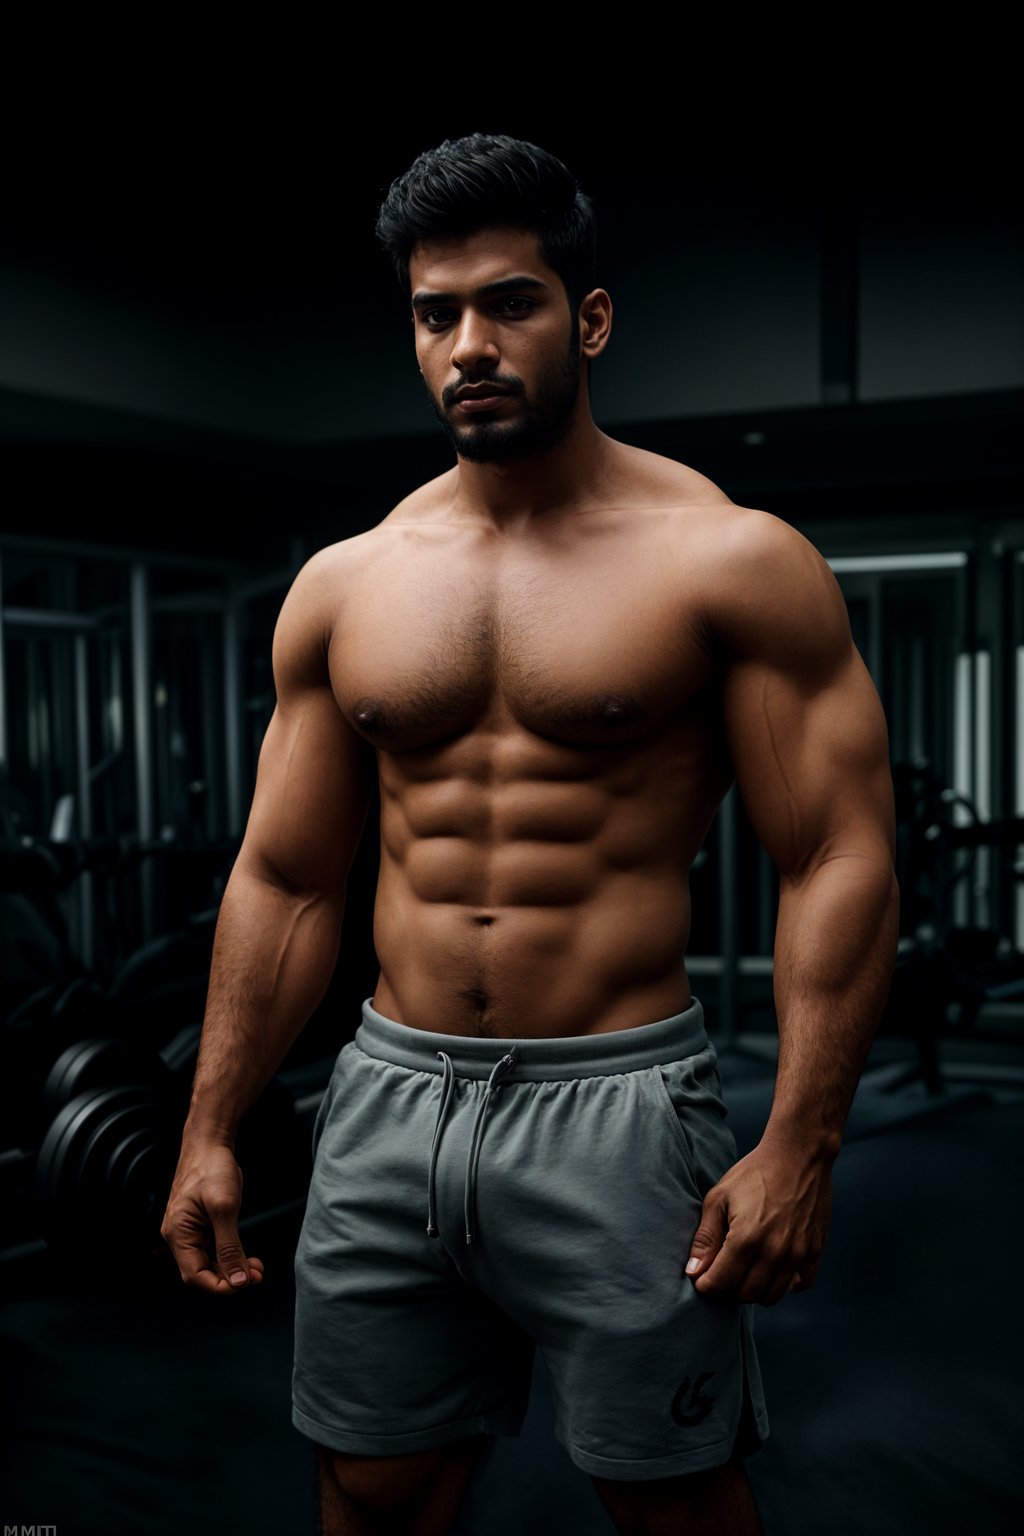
pixel 484 180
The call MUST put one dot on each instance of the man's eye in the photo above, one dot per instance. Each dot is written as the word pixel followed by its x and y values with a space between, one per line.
pixel 523 305
pixel 436 317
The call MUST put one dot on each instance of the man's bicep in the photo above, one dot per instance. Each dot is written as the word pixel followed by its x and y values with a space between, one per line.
pixel 810 752
pixel 313 788
pixel 315 774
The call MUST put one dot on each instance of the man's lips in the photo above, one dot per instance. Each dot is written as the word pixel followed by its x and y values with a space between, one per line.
pixel 480 397
pixel 481 402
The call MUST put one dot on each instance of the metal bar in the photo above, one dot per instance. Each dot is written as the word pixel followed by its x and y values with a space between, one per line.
pixel 115 701
pixel 142 695
pixel 728 918
pixel 50 618
pixel 939 561
pixel 34 706
pixel 83 774
pixel 963 711
pixel 81 550
pixel 62 683
pixel 746 965
pixel 982 784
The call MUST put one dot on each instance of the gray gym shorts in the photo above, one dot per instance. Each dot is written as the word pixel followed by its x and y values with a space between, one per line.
pixel 562 1182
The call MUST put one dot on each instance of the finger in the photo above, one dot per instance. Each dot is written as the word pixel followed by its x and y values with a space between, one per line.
pixel 707 1240
pixel 231 1260
pixel 190 1248
pixel 196 1270
pixel 207 1277
pixel 728 1276
pixel 743 1271
pixel 187 1241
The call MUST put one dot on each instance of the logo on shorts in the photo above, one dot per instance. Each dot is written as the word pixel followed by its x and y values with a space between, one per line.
pixel 690 1405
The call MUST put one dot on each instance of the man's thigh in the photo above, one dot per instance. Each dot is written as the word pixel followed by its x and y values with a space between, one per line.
pixel 418 1494
pixel 715 1502
pixel 588 1203
pixel 394 1352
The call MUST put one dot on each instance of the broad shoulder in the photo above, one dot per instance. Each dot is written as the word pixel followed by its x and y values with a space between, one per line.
pixel 313 603
pixel 315 600
pixel 768 591
pixel 749 539
pixel 320 580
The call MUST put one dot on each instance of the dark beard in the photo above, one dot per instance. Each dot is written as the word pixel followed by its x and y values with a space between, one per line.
pixel 546 422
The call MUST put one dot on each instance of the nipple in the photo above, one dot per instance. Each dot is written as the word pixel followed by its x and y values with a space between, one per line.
pixel 613 708
pixel 368 711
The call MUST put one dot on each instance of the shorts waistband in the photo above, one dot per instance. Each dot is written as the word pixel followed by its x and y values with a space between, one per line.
pixel 545 1060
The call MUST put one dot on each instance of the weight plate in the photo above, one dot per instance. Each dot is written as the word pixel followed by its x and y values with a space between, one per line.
pixel 61 1155
pixel 100 1063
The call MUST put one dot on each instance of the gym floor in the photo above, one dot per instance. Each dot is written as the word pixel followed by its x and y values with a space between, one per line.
pixel 133 1405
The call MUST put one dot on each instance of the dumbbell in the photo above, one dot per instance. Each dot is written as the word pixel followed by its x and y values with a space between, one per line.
pixel 112 1105
pixel 106 1163
pixel 32 1037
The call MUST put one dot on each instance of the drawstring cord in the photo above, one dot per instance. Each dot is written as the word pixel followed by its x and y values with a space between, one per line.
pixel 478 1135
pixel 446 1093
pixel 448 1084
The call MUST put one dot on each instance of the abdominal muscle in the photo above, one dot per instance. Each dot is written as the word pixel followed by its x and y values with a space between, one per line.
pixel 575 926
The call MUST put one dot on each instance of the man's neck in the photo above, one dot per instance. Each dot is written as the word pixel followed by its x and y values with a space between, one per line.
pixel 511 495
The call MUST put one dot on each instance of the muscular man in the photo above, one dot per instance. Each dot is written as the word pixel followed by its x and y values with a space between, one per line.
pixel 556 658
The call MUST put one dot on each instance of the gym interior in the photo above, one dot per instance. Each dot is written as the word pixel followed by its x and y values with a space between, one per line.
pixel 198 391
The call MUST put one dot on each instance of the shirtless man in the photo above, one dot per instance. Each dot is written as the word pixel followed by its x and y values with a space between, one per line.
pixel 556 658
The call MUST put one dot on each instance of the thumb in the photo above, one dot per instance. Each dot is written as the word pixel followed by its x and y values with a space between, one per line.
pixel 231 1259
pixel 707 1239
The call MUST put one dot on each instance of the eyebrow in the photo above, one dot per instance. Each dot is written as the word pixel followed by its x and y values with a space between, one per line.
pixel 503 285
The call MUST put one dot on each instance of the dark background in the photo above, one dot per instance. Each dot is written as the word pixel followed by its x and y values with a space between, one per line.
pixel 207 373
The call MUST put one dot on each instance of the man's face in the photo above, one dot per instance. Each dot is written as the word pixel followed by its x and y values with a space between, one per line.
pixel 496 342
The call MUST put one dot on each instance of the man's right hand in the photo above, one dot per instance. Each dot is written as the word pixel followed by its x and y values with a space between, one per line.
pixel 200 1224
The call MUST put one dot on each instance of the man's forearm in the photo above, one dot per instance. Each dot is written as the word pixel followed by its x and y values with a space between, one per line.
pixel 835 948
pixel 274 953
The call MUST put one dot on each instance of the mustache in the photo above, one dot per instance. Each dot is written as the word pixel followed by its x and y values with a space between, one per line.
pixel 504 380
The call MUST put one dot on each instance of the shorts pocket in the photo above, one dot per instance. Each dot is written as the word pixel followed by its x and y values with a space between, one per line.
pixel 325 1104
pixel 668 1111
pixel 689 1091
pixel 321 1116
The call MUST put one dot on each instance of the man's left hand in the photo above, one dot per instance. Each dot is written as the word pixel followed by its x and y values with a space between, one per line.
pixel 763 1227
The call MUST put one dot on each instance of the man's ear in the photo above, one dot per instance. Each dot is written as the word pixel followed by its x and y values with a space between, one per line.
pixel 595 323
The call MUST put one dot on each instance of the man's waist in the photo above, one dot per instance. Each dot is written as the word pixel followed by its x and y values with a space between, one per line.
pixel 536 1058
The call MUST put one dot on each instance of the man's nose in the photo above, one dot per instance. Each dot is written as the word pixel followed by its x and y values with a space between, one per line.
pixel 474 344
